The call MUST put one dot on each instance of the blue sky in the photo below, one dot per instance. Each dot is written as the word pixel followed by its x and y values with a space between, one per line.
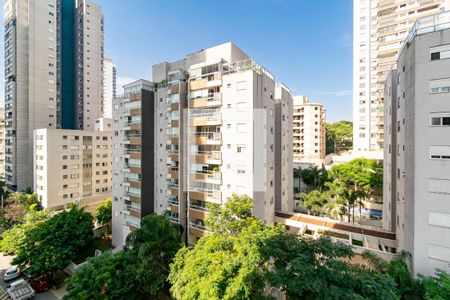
pixel 306 44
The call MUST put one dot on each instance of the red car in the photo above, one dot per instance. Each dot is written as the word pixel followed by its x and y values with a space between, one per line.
pixel 41 284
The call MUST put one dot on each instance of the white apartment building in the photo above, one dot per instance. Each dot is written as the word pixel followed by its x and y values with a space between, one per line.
pixel 72 167
pixel 214 136
pixel 308 131
pixel 227 131
pixel 109 87
pixel 379 30
pixel 53 75
pixel 417 146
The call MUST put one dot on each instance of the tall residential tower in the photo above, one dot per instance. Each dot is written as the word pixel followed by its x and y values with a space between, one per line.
pixel 417 146
pixel 379 30
pixel 53 75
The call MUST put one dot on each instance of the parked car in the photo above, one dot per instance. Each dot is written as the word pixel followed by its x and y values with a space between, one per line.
pixel 11 273
pixel 41 284
pixel 20 290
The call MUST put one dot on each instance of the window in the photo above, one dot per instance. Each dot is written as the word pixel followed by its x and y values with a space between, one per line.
pixel 439 86
pixel 241 127
pixel 241 149
pixel 440 120
pixel 440 52
pixel 440 152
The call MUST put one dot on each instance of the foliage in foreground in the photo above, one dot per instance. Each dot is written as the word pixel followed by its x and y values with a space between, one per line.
pixel 15 238
pixel 103 212
pixel 139 271
pixel 250 260
pixel 53 243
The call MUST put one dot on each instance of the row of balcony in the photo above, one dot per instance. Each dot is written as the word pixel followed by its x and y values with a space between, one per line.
pixel 211 100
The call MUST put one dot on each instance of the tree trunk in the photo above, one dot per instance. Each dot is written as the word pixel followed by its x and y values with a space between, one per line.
pixel 348 218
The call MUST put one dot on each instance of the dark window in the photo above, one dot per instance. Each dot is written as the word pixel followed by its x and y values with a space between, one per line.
pixel 435 55
pixel 446 121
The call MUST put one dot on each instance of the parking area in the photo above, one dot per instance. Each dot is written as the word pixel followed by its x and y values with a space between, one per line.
pixel 5 263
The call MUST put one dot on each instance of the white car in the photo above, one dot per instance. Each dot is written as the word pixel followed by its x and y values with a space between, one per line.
pixel 11 273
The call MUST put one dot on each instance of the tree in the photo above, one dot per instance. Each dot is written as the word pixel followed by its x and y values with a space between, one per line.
pixel 17 205
pixel 108 276
pixel 139 271
pixel 436 287
pixel 339 136
pixel 15 238
pixel 256 261
pixel 154 245
pixel 52 244
pixel 103 213
pixel 397 269
pixel 313 201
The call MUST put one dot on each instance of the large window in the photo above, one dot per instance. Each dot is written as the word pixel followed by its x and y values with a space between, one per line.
pixel 439 86
pixel 440 120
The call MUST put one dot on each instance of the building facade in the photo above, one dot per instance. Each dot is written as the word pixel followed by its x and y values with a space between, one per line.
pixel 72 167
pixel 109 87
pixel 2 143
pixel 284 193
pixel 308 131
pixel 417 141
pixel 379 30
pixel 133 158
pixel 214 136
pixel 53 75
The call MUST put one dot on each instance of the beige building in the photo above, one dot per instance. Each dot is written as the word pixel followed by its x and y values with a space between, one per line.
pixel 379 31
pixel 308 131
pixel 72 166
pixel 417 146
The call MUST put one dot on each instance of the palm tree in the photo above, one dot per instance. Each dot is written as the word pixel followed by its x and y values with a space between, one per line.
pixel 313 201
pixel 351 197
pixel 361 196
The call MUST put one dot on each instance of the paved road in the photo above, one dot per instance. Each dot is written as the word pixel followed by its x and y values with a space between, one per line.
pixel 5 262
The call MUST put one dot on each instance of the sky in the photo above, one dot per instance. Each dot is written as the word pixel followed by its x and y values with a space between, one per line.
pixel 306 44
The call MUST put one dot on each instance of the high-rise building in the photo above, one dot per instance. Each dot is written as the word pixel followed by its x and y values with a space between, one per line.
pixel 417 147
pixel 2 143
pixel 308 131
pixel 284 193
pixel 53 75
pixel 379 30
pixel 72 167
pixel 133 158
pixel 214 136
pixel 109 87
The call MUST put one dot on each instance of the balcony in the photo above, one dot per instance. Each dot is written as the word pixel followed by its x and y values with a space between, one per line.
pixel 208 138
pixel 173 200
pixel 207 157
pixel 210 101
pixel 212 177
pixel 206 195
pixel 200 117
pixel 173 172
pixel 198 225
pixel 198 84
pixel 173 191
pixel 173 89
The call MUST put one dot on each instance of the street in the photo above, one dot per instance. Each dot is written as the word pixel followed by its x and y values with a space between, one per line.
pixel 5 262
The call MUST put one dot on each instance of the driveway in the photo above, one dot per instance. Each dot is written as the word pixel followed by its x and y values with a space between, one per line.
pixel 5 263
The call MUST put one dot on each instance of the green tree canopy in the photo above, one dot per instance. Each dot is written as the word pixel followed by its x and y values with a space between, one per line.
pixel 366 174
pixel 15 238
pixel 256 261
pixel 52 244
pixel 339 136
pixel 17 205
pixel 103 212
pixel 138 272
pixel 436 287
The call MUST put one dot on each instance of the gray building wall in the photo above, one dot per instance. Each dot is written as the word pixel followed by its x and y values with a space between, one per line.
pixel 423 153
